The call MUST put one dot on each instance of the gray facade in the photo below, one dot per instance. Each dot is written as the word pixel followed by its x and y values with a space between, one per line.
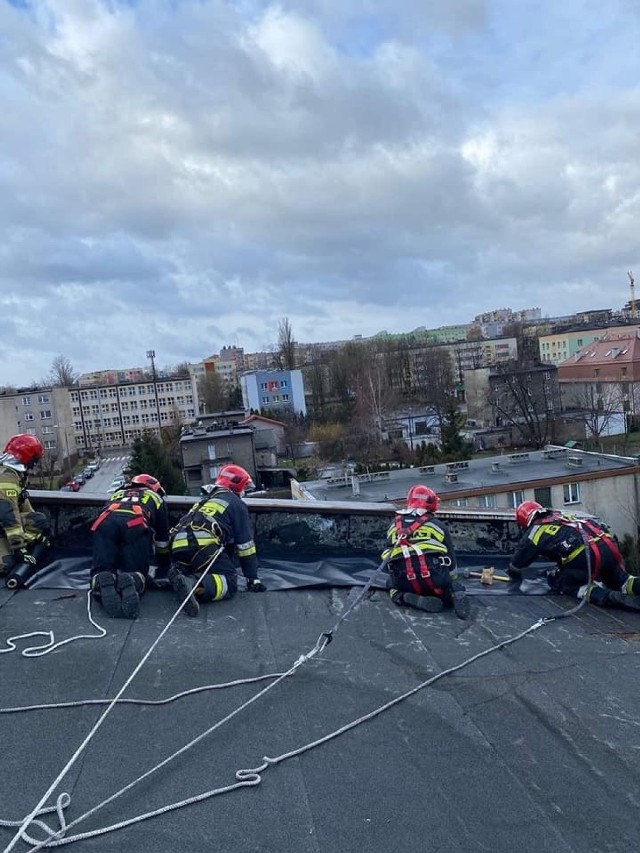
pixel 206 450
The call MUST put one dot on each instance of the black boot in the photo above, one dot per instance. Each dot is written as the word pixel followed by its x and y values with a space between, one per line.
pixel 183 586
pixel 620 599
pixel 427 603
pixel 131 587
pixel 103 587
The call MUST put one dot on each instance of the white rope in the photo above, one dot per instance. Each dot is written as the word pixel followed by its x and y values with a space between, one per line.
pixel 51 645
pixel 252 776
pixel 36 810
pixel 52 706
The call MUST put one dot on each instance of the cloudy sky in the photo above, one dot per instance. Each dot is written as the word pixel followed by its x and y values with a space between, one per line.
pixel 182 174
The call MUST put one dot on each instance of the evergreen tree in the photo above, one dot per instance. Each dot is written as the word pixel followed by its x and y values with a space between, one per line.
pixel 149 456
pixel 454 445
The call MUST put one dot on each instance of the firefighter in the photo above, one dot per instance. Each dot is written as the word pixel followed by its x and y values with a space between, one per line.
pixel 130 527
pixel 219 520
pixel 421 558
pixel 23 531
pixel 564 538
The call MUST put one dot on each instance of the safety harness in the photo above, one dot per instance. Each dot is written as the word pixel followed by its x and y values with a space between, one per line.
pixel 403 534
pixel 198 527
pixel 591 534
pixel 128 504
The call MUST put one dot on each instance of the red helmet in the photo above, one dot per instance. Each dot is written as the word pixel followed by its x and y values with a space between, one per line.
pixel 148 482
pixel 422 497
pixel 26 448
pixel 235 478
pixel 527 511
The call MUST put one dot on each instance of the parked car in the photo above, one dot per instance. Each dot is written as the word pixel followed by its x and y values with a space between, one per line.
pixel 118 483
pixel 79 478
pixel 87 473
pixel 71 486
pixel 94 465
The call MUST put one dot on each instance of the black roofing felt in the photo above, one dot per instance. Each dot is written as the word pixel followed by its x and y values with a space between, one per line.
pixel 532 748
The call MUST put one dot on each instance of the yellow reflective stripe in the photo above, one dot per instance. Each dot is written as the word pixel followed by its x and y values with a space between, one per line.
pixel 214 507
pixel 427 531
pixel 396 551
pixel 221 586
pixel 573 554
pixel 246 549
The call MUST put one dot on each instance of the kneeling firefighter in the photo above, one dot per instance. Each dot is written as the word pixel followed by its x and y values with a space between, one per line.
pixel 24 533
pixel 130 527
pixel 421 558
pixel 589 562
pixel 219 520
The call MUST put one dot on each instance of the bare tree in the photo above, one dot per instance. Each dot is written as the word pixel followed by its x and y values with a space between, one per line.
pixel 526 397
pixel 62 374
pixel 595 405
pixel 286 352
pixel 211 392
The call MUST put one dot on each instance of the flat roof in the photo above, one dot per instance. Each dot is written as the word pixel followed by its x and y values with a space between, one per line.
pixel 532 747
pixel 484 473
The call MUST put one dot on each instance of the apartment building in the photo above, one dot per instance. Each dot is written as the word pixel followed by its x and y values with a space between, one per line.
pixel 606 372
pixel 114 415
pixel 274 391
pixel 43 412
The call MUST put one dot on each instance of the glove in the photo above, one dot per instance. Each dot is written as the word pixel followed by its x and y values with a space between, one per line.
pixel 255 585
pixel 26 557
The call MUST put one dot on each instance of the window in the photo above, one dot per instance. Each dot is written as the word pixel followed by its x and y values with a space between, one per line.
pixel 285 398
pixel 542 495
pixel 487 500
pixel 571 493
pixel 44 414
pixel 265 401
pixel 516 498
pixel 461 502
pixel 284 383
pixel 26 401
pixel 43 398
pixel 29 416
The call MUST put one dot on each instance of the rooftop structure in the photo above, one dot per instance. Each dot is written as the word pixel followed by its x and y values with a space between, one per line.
pixel 555 476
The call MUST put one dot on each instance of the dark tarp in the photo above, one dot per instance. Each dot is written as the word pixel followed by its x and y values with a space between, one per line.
pixel 68 568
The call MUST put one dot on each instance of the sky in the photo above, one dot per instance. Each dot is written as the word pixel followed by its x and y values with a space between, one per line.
pixel 183 175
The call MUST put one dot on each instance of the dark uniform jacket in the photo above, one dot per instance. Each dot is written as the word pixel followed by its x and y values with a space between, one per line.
pixel 415 537
pixel 222 518
pixel 135 503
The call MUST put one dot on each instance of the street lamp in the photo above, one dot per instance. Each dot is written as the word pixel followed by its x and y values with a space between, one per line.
pixel 151 354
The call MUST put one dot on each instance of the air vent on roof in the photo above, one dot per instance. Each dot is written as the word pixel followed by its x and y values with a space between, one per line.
pixel 574 461
pixel 553 452
pixel 456 466
pixel 450 477
pixel 495 467
pixel 518 457
pixel 427 469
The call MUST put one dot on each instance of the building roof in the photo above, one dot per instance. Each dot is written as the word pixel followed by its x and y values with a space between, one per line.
pixel 481 475
pixel 251 418
pixel 529 748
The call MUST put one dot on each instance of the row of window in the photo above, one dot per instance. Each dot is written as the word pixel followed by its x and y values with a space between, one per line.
pixel 274 384
pixel 276 398
pixel 44 414
pixel 113 392
pixel 42 398
pixel 571 495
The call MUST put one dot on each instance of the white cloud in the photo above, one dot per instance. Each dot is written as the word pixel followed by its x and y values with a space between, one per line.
pixel 181 176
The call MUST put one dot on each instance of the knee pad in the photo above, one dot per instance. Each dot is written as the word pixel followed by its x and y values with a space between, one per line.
pixel 213 587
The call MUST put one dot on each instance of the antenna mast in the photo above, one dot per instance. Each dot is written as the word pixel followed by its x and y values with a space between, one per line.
pixel 632 286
